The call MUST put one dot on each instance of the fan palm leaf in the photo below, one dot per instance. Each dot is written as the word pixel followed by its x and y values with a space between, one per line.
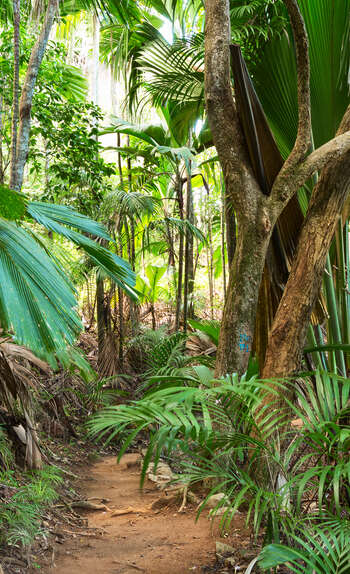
pixel 56 218
pixel 174 72
pixel 37 302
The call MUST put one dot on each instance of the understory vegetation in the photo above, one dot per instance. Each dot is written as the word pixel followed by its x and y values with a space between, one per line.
pixel 175 261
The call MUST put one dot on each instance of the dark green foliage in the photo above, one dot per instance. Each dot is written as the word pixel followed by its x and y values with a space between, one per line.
pixel 317 549
pixel 72 151
pixel 161 353
pixel 12 204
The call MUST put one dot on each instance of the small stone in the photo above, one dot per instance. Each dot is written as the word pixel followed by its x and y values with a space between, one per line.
pixel 218 511
pixel 215 499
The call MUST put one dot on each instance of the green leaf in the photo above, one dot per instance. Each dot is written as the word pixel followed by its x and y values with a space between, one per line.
pixel 53 216
pixel 37 302
pixel 49 213
pixel 275 554
pixel 12 203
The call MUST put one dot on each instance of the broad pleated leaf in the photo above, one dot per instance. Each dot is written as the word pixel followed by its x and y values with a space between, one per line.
pixel 37 302
pixel 52 216
pixel 43 212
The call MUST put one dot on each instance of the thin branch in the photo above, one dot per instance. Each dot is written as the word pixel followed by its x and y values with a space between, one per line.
pixel 303 139
pixel 288 182
pixel 282 188
pixel 220 105
pixel 330 151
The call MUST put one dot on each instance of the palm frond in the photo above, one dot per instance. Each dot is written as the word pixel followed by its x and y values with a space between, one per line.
pixel 132 204
pixel 318 550
pixel 210 327
pixel 174 72
pixel 55 218
pixel 37 302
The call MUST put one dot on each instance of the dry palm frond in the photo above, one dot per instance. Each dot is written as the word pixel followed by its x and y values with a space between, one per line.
pixel 15 382
pixel 200 344
pixel 11 350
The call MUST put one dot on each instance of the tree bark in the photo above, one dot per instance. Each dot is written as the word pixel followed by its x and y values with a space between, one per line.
pixel 120 291
pixel 254 210
pixel 290 325
pixel 238 321
pixel 189 268
pixel 210 265
pixel 256 213
pixel 223 232
pixel 16 88
pixel 25 104
pixel 2 170
pixel 230 224
pixel 134 309
pixel 101 323
pixel 180 201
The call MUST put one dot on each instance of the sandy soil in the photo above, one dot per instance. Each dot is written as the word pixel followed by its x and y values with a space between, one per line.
pixel 155 541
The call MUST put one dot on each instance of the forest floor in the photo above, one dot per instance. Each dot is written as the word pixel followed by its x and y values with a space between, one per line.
pixel 139 531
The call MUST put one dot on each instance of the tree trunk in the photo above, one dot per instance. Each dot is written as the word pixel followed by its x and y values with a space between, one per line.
pixel 210 257
pixel 95 58
pixel 154 323
pixel 16 89
pixel 25 104
pixel 256 212
pixel 101 323
pixel 120 291
pixel 290 325
pixel 223 231
pixel 2 170
pixel 189 269
pixel 238 321
pixel 181 252
pixel 230 222
pixel 134 309
pixel 121 327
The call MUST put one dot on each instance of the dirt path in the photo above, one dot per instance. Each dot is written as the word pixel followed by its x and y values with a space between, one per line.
pixel 152 541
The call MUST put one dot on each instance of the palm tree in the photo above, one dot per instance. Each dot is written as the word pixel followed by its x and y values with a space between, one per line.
pixel 160 145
